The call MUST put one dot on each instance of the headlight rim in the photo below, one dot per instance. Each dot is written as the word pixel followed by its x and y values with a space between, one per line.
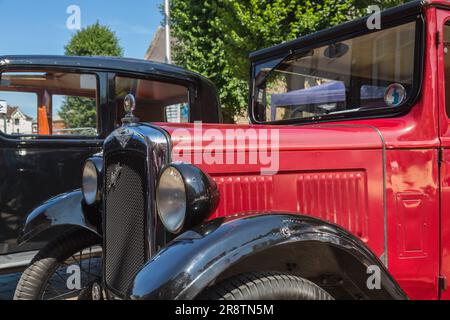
pixel 182 224
pixel 97 164
pixel 201 194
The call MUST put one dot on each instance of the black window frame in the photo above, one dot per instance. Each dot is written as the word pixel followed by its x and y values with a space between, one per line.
pixel 100 76
pixel 326 38
pixel 189 85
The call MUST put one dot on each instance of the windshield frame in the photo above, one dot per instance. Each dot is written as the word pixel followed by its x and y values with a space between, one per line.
pixel 324 38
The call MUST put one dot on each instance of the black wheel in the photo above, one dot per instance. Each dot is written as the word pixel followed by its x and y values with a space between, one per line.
pixel 64 269
pixel 266 286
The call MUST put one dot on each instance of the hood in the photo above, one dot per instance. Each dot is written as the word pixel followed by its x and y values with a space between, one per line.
pixel 197 137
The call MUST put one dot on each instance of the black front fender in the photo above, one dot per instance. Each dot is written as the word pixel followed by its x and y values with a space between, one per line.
pixel 282 242
pixel 67 209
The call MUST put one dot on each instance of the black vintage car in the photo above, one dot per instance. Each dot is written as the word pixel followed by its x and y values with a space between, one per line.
pixel 56 112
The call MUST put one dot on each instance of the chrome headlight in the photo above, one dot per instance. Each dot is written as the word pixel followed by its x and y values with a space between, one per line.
pixel 171 199
pixel 185 196
pixel 91 180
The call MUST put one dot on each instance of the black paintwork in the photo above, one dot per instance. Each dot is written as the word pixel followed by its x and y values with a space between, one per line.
pixel 34 169
pixel 32 173
pixel 64 210
pixel 208 253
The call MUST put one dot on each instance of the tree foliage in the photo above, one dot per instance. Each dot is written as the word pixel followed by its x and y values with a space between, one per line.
pixel 215 37
pixel 78 112
pixel 94 40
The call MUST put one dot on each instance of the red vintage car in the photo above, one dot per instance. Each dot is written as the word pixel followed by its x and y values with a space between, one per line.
pixel 338 189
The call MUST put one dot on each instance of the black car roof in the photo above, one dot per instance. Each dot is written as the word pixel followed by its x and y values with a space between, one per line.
pixel 206 91
pixel 106 63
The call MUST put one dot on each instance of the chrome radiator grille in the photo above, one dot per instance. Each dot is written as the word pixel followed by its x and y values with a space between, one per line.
pixel 125 224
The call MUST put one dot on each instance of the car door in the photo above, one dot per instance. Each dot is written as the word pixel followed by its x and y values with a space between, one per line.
pixel 51 120
pixel 443 58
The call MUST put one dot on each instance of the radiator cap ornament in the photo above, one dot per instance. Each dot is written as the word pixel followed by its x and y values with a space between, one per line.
pixel 129 105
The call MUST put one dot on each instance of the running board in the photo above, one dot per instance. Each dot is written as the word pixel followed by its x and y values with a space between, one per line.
pixel 16 260
pixel 21 260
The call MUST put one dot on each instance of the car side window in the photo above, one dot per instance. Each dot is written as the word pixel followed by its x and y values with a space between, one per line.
pixel 370 72
pixel 48 103
pixel 156 101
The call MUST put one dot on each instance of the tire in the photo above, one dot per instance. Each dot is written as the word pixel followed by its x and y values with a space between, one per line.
pixel 266 286
pixel 36 278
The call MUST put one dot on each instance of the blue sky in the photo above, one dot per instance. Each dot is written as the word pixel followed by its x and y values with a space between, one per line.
pixel 39 27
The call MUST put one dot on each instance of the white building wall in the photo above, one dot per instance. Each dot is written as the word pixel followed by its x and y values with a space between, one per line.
pixel 24 126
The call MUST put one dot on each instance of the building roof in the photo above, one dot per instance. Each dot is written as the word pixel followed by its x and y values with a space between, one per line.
pixel 157 49
pixel 10 111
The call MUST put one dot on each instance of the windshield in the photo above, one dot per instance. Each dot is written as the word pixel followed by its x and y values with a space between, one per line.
pixel 366 73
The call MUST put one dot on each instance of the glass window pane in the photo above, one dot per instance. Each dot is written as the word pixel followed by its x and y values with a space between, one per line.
pixel 18 112
pixel 372 71
pixel 156 101
pixel 48 103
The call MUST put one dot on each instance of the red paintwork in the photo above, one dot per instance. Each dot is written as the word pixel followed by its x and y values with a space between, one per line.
pixel 442 17
pixel 334 171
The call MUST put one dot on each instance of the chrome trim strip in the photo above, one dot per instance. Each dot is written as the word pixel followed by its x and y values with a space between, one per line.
pixel 384 256
pixel 159 148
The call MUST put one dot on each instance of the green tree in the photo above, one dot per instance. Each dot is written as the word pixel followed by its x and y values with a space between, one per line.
pixel 214 37
pixel 94 40
pixel 78 112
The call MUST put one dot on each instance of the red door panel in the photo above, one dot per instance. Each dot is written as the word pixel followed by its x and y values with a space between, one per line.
pixel 413 220
pixel 444 124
